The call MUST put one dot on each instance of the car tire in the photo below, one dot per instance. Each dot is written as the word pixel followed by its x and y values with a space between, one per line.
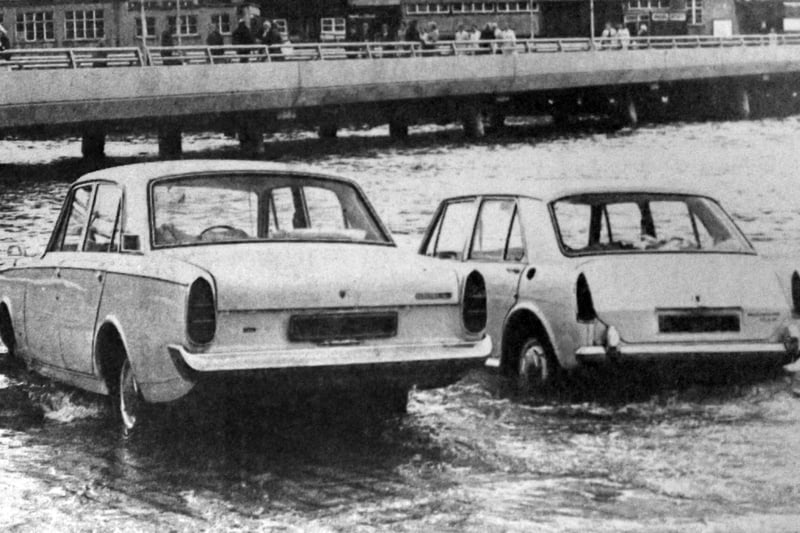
pixel 127 399
pixel 536 368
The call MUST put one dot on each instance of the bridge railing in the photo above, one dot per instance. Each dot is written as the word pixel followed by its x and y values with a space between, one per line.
pixel 49 58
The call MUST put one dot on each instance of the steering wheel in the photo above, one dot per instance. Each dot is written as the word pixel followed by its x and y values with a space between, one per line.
pixel 229 231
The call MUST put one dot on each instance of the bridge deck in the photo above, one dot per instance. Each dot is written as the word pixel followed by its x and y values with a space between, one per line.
pixel 73 86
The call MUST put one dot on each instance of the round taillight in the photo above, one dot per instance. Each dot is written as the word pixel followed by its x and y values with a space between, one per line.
pixel 796 292
pixel 473 306
pixel 201 316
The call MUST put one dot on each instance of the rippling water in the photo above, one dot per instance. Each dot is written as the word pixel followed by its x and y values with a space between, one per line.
pixel 647 456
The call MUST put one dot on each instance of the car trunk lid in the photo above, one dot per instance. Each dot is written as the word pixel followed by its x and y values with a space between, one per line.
pixel 686 297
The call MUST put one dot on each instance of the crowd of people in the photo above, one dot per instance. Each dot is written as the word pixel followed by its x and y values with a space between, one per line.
pixel 619 36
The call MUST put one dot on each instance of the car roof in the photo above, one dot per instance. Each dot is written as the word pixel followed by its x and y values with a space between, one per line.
pixel 548 192
pixel 140 174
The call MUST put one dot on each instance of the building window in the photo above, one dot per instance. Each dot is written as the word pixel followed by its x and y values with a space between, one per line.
pixel 513 7
pixel 84 25
pixel 478 7
pixel 332 28
pixel 151 27
pixel 440 8
pixel 695 11
pixel 457 8
pixel 35 26
pixel 648 4
pixel 418 9
pixel 222 21
pixel 187 26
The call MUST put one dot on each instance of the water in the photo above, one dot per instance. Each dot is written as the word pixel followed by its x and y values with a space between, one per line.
pixel 650 455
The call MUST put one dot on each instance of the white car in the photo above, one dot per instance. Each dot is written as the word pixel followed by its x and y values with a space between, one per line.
pixel 163 277
pixel 615 275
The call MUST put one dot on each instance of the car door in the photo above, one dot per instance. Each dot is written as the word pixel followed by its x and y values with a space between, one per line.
pixel 45 295
pixel 497 251
pixel 41 331
pixel 82 272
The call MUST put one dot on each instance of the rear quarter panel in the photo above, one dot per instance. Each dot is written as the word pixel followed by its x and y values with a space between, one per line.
pixel 145 299
pixel 12 293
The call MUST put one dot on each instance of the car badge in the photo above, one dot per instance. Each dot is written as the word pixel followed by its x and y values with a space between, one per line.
pixel 697 299
pixel 342 293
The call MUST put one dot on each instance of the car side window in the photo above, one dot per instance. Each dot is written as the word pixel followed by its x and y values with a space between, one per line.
pixel 453 230
pixel 515 251
pixel 624 221
pixel 492 230
pixel 71 234
pixel 281 209
pixel 103 233
pixel 324 208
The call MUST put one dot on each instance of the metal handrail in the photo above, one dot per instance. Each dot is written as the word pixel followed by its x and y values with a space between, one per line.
pixel 49 58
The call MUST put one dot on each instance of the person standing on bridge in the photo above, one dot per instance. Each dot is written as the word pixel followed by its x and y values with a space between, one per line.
pixel 214 40
pixel 167 43
pixel 5 44
pixel 242 36
pixel 608 36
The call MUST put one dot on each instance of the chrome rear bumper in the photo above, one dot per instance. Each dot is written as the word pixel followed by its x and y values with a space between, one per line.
pixel 658 352
pixel 331 356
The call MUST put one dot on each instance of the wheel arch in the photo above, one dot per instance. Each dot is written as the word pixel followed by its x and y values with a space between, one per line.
pixel 523 322
pixel 7 322
pixel 110 351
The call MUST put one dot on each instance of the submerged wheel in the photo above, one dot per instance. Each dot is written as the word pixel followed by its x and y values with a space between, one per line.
pixel 128 398
pixel 537 368
pixel 7 336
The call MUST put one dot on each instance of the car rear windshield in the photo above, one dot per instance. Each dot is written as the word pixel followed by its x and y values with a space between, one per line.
pixel 232 208
pixel 634 223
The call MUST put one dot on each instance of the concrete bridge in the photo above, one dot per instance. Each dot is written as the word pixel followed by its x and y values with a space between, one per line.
pixel 247 88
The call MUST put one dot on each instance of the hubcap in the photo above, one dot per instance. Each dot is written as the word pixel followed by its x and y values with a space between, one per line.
pixel 533 363
pixel 129 399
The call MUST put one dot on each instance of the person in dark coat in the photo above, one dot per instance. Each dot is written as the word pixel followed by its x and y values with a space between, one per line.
pixel 273 39
pixel 242 36
pixel 412 33
pixel 5 44
pixel 214 38
pixel 168 42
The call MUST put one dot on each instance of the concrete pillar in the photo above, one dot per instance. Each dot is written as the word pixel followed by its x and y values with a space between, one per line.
pixel 93 143
pixel 251 136
pixel 169 140
pixel 328 129
pixel 498 120
pixel 472 120
pixel 398 129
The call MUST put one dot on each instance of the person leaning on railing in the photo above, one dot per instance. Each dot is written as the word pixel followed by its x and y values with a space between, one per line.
pixel 5 44
pixel 215 40
pixel 167 42
pixel 242 36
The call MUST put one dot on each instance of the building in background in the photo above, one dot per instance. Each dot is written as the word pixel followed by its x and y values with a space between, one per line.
pixel 63 23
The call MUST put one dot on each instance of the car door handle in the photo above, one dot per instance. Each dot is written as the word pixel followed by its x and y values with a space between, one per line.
pixel 99 276
pixel 58 272
pixel 513 270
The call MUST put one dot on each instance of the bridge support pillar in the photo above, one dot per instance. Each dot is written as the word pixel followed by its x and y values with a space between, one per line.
pixel 251 136
pixel 169 140
pixel 328 130
pixel 472 120
pixel 93 143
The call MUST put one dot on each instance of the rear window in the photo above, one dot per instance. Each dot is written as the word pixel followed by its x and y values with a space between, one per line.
pixel 632 223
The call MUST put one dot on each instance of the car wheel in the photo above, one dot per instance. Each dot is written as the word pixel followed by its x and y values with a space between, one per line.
pixel 536 369
pixel 129 399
